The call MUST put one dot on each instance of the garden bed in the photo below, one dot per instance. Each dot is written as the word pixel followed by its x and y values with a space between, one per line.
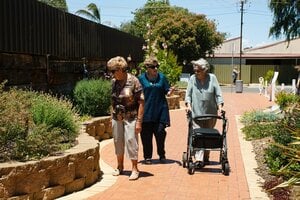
pixel 270 180
pixel 53 176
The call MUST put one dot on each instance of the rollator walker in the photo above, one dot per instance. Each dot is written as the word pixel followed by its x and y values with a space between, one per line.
pixel 206 139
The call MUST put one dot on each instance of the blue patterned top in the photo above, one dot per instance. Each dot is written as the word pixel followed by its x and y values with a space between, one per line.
pixel 156 107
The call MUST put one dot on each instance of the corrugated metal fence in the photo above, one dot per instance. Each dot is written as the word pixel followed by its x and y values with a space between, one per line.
pixel 250 73
pixel 28 26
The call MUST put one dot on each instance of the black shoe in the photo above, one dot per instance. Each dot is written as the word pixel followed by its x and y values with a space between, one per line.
pixel 148 161
pixel 162 159
pixel 199 164
pixel 206 162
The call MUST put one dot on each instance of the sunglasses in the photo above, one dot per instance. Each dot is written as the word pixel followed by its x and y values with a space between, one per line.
pixel 113 71
pixel 152 66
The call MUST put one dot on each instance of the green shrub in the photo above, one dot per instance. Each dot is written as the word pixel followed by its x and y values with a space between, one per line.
pixel 269 75
pixel 259 124
pixel 282 135
pixel 283 99
pixel 181 84
pixel 34 125
pixel 93 97
pixel 168 66
pixel 259 130
pixel 55 113
pixel 257 116
pixel 40 142
pixel 275 158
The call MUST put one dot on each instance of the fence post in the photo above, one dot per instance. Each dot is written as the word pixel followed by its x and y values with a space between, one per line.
pixel 294 86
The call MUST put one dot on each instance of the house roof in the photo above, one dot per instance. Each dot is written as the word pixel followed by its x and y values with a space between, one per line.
pixel 282 49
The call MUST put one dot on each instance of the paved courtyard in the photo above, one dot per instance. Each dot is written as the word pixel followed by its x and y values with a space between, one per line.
pixel 170 180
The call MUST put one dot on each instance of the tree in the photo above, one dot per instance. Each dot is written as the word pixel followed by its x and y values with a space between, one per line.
pixel 286 19
pixel 143 16
pixel 187 35
pixel 91 12
pixel 168 66
pixel 60 4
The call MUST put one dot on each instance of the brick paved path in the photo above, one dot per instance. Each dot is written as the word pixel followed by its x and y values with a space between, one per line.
pixel 171 181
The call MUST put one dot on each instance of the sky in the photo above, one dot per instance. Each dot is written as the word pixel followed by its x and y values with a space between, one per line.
pixel 257 17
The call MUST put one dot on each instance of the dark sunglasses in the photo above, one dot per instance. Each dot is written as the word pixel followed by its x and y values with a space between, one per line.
pixel 152 66
pixel 113 71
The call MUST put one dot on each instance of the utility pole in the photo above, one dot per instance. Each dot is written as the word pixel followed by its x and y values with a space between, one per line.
pixel 241 37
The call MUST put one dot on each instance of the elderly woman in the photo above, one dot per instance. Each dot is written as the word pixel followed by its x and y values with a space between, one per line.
pixel 156 116
pixel 127 114
pixel 203 96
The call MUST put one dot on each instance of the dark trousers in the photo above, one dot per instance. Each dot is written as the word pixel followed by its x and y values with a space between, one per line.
pixel 158 130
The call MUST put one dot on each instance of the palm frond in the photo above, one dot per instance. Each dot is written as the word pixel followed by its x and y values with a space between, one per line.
pixel 91 12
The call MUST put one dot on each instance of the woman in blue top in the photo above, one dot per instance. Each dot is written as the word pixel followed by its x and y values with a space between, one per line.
pixel 203 96
pixel 156 111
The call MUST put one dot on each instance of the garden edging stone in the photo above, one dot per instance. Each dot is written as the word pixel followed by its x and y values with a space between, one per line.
pixel 53 176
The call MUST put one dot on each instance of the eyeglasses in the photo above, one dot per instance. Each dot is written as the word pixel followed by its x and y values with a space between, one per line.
pixel 197 71
pixel 152 66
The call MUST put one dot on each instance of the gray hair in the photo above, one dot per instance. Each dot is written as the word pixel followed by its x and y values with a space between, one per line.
pixel 200 64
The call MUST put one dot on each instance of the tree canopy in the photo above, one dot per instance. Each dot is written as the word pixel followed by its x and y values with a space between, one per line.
pixel 188 35
pixel 286 20
pixel 60 4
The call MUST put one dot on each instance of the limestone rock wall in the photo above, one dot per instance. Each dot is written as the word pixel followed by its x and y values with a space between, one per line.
pixel 99 127
pixel 173 102
pixel 180 93
pixel 54 176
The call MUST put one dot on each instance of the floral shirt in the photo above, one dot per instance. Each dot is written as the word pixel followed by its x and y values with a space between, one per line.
pixel 126 98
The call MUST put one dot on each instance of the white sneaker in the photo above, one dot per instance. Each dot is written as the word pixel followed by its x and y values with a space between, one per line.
pixel 134 175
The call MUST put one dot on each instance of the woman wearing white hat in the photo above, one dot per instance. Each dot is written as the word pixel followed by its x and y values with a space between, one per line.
pixel 203 96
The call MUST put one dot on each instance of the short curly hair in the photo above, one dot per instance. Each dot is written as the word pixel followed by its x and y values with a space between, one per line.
pixel 116 63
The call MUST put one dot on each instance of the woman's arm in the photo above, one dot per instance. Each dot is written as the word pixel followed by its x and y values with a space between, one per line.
pixel 139 120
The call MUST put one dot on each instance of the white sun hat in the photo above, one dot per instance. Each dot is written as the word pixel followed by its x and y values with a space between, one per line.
pixel 202 63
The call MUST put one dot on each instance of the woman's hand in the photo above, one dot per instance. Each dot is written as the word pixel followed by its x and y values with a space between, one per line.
pixel 220 110
pixel 188 107
pixel 138 126
pixel 171 90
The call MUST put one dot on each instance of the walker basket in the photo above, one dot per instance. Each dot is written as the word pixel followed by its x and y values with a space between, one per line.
pixel 208 138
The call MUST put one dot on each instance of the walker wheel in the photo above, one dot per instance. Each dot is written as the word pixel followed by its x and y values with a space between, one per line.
pixel 225 169
pixel 191 168
pixel 184 159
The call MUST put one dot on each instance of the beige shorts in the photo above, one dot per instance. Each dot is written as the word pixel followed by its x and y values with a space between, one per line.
pixel 125 139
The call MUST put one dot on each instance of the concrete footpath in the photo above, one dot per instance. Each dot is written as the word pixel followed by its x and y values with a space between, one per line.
pixel 170 180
